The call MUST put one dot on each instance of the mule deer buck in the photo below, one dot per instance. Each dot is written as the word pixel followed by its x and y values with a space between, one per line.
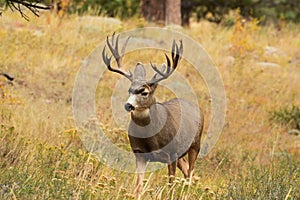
pixel 158 132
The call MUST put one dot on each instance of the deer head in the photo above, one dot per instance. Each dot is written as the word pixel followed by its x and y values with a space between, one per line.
pixel 141 91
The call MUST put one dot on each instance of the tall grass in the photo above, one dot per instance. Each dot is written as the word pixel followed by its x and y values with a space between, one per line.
pixel 42 157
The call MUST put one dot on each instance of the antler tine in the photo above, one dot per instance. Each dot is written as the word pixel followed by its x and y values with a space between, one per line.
pixel 180 48
pixel 174 45
pixel 114 48
pixel 176 56
pixel 168 63
pixel 157 70
pixel 124 46
pixel 105 58
pixel 178 53
pixel 117 44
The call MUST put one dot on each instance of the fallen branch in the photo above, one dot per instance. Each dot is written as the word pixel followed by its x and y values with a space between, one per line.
pixel 7 76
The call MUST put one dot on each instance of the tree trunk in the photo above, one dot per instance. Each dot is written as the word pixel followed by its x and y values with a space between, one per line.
pixel 186 9
pixel 173 12
pixel 168 11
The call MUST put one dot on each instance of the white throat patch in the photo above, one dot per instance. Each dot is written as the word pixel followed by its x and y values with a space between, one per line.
pixel 141 113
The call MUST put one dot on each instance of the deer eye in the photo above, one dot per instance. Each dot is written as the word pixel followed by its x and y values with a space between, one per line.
pixel 144 93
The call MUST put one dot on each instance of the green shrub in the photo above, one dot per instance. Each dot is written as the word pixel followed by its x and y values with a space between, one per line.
pixel 289 116
pixel 277 180
pixel 110 8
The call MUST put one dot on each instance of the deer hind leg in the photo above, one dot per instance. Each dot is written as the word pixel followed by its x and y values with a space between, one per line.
pixel 172 170
pixel 183 165
pixel 140 169
pixel 192 154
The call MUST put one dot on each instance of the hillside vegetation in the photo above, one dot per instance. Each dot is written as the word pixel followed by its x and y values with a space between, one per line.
pixel 42 157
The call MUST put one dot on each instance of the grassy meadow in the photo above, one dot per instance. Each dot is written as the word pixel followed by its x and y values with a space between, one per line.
pixel 42 157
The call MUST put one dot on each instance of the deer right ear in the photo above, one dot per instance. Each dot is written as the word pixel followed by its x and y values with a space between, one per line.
pixel 139 71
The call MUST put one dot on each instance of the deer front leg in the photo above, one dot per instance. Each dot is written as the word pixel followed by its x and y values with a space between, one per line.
pixel 140 169
pixel 172 170
pixel 192 154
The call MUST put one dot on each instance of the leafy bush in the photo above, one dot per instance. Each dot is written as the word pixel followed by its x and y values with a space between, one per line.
pixel 269 10
pixel 289 116
pixel 242 39
pixel 111 8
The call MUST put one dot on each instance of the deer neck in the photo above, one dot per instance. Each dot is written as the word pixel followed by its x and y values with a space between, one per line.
pixel 150 125
pixel 142 116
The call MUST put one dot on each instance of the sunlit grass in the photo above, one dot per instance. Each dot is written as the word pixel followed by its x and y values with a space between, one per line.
pixel 41 155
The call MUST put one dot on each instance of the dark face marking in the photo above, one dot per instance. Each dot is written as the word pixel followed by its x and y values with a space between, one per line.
pixel 136 91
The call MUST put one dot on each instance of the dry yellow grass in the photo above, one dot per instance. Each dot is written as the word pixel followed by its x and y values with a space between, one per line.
pixel 40 148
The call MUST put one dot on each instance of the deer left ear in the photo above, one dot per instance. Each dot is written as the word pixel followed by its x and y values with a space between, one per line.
pixel 139 71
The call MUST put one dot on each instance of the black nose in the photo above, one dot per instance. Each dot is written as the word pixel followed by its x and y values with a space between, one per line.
pixel 129 107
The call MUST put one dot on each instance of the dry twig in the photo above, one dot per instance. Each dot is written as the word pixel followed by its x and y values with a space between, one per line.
pixel 34 7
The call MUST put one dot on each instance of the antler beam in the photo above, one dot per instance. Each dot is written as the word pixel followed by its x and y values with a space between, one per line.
pixel 176 56
pixel 114 48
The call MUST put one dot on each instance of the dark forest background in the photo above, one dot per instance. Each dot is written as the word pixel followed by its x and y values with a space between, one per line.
pixel 181 11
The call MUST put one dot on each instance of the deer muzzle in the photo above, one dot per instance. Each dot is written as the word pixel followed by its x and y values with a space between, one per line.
pixel 131 103
pixel 128 107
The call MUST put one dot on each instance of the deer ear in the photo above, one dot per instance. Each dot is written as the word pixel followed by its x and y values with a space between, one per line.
pixel 139 71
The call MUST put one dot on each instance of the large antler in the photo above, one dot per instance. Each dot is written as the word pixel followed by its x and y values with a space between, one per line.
pixel 176 56
pixel 114 48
